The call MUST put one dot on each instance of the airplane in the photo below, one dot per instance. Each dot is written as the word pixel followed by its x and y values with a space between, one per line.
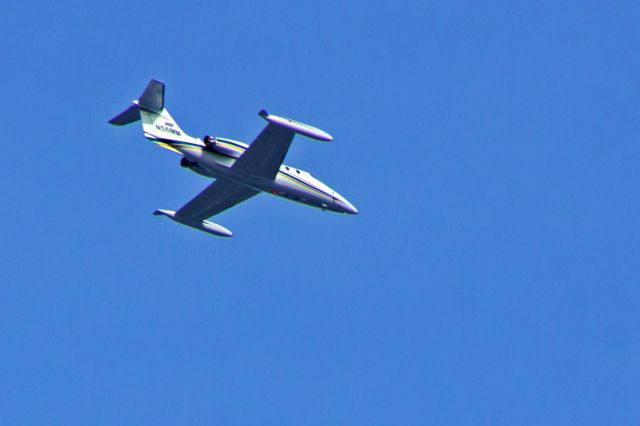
pixel 240 170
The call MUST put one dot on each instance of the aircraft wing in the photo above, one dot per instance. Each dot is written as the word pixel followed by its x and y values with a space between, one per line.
pixel 265 155
pixel 216 198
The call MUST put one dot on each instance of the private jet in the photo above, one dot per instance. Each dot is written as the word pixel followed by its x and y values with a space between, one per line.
pixel 240 170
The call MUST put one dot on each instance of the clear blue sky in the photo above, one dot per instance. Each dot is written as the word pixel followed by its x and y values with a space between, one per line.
pixel 491 278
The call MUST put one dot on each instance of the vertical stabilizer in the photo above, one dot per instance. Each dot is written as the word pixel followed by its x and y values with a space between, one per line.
pixel 153 96
pixel 152 99
pixel 157 123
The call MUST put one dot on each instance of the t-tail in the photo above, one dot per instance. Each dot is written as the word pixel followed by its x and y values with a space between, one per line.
pixel 157 123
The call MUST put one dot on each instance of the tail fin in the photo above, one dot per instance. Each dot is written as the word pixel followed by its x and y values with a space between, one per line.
pixel 152 99
pixel 157 123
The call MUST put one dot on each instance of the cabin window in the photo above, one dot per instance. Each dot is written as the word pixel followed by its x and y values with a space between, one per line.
pixel 297 171
pixel 286 167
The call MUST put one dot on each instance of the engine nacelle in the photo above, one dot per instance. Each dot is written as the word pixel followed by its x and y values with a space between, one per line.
pixel 209 142
pixel 223 146
pixel 184 162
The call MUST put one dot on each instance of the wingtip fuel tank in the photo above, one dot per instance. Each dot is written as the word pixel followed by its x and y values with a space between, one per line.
pixel 296 126
pixel 205 225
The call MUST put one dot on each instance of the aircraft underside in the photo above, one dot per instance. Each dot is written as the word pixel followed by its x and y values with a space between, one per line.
pixel 289 183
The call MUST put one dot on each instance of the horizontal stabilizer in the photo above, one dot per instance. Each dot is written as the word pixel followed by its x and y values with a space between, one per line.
pixel 296 126
pixel 204 225
pixel 127 116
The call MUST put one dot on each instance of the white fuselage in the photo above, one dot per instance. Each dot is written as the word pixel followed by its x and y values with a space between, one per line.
pixel 290 182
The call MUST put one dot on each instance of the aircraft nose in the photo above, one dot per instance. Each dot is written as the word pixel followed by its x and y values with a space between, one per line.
pixel 350 208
